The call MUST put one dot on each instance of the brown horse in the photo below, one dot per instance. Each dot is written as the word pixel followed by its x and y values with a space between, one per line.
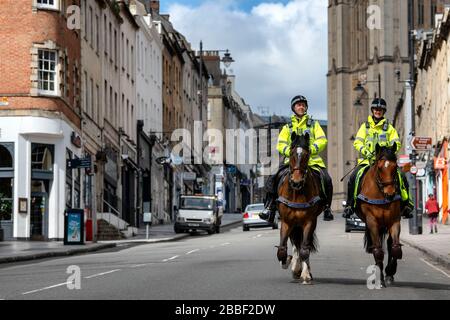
pixel 379 207
pixel 299 204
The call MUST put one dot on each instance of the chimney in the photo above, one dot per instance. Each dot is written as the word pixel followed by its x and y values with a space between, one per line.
pixel 154 6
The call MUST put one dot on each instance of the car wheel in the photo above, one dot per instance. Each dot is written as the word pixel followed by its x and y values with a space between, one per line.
pixel 245 228
pixel 177 230
pixel 217 229
pixel 210 231
pixel 347 229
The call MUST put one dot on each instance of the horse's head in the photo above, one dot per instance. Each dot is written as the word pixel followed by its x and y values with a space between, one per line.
pixel 298 160
pixel 386 170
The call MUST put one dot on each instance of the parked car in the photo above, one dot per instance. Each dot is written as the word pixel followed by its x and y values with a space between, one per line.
pixel 354 223
pixel 251 219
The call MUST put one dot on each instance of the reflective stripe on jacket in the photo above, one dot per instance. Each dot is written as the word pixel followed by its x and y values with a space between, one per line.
pixel 369 135
pixel 318 140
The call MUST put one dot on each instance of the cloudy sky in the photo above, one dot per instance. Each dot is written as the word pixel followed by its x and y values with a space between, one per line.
pixel 280 47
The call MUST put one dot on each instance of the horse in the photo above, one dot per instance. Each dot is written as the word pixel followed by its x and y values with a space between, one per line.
pixel 299 205
pixel 378 206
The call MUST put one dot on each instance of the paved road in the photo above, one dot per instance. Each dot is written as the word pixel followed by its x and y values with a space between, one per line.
pixel 231 265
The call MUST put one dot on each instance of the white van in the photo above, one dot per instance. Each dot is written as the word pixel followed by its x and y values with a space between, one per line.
pixel 198 212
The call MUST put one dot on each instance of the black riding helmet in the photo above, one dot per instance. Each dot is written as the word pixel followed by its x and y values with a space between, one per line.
pixel 379 103
pixel 297 99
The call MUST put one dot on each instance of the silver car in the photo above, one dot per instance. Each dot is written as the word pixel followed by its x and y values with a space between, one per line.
pixel 251 219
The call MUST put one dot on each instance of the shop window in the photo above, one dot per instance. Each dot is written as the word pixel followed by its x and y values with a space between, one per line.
pixel 6 180
pixel 42 157
pixel 47 4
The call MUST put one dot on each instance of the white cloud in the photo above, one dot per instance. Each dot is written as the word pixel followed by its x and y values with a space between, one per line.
pixel 280 49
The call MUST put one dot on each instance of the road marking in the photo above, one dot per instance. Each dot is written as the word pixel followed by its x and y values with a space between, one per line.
pixel 139 265
pixel 446 274
pixel 102 274
pixel 225 244
pixel 174 257
pixel 192 251
pixel 51 287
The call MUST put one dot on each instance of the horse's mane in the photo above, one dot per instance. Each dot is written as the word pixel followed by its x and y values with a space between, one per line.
pixel 387 153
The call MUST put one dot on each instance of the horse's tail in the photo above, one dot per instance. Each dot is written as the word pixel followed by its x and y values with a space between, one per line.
pixel 297 239
pixel 368 243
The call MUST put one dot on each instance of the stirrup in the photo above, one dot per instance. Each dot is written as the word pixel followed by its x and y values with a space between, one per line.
pixel 348 212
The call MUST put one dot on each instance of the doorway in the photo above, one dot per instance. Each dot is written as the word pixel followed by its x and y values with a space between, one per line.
pixel 39 216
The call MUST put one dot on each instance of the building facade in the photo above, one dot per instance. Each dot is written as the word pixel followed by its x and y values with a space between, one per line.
pixel 40 114
pixel 370 47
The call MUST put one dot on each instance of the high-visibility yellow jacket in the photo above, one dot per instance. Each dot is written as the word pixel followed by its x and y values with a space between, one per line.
pixel 369 134
pixel 318 140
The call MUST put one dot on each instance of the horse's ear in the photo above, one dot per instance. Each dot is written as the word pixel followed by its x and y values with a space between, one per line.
pixel 377 149
pixel 293 136
pixel 307 136
pixel 394 148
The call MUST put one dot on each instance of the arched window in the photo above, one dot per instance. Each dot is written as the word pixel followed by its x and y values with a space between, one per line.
pixel 6 158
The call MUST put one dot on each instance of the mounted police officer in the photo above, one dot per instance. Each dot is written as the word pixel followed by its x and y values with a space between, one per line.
pixel 301 123
pixel 377 129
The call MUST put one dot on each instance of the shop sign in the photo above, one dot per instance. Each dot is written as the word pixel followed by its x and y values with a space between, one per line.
pixel 439 163
pixel 189 176
pixel 4 102
pixel 75 139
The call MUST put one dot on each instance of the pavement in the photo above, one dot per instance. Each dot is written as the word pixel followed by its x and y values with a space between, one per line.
pixel 436 246
pixel 16 251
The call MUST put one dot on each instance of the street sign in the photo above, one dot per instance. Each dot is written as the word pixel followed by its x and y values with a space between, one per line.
pixel 421 172
pixel 439 163
pixel 421 143
pixel 189 176
pixel 403 159
pixel 421 165
pixel 413 170
pixel 79 163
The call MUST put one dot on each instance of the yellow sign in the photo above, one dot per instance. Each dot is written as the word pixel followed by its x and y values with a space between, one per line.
pixel 4 101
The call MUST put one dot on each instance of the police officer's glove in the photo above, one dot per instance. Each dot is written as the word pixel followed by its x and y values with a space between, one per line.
pixel 366 153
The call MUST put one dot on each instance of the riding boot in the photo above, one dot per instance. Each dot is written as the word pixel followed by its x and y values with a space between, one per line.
pixel 408 207
pixel 431 232
pixel 435 229
pixel 327 215
pixel 270 209
pixel 348 210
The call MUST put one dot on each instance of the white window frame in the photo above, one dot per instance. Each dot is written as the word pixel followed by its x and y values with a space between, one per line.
pixel 54 6
pixel 56 91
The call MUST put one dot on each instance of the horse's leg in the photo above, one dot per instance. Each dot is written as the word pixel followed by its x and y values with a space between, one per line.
pixel 395 252
pixel 282 255
pixel 377 249
pixel 296 263
pixel 305 250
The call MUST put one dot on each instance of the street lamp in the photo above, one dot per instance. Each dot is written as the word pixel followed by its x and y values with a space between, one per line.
pixel 360 89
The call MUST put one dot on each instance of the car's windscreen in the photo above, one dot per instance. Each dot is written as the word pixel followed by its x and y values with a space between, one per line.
pixel 197 203
pixel 255 207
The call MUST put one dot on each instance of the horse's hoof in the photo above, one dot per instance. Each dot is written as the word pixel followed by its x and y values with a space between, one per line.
pixel 382 284
pixel 389 280
pixel 307 281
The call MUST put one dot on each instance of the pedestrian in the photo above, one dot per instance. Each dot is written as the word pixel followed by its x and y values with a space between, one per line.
pixel 432 208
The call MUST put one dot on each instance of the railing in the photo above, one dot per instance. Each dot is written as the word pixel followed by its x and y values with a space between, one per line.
pixel 117 220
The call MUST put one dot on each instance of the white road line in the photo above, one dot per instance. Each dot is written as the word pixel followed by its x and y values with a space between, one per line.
pixel 174 257
pixel 139 265
pixel 434 267
pixel 192 251
pixel 102 274
pixel 51 287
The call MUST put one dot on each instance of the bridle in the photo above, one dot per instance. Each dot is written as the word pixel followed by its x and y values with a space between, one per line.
pixel 381 184
pixel 300 184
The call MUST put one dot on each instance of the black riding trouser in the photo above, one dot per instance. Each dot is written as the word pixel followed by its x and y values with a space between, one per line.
pixel 351 186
